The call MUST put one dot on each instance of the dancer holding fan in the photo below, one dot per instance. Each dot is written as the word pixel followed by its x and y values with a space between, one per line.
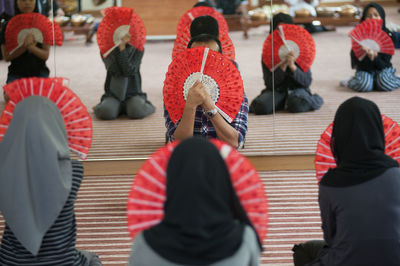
pixel 372 50
pixel 28 54
pixel 206 214
pixel 38 180
pixel 121 36
pixel 293 53
pixel 359 199
pixel 198 114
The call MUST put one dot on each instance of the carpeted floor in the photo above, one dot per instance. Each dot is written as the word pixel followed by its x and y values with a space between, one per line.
pixel 101 215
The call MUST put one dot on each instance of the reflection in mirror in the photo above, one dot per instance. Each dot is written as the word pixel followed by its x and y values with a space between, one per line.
pixel 26 37
pixel 288 53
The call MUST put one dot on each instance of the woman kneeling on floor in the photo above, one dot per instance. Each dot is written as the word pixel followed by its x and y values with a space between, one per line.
pixel 291 84
pixel 123 86
pixel 375 70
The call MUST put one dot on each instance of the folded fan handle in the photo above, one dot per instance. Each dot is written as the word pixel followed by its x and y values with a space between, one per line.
pixel 224 115
pixel 203 63
pixel 111 49
pixel 277 65
pixel 282 35
pixel 13 50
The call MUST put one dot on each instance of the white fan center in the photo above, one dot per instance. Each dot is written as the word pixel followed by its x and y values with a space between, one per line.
pixel 209 83
pixel 283 50
pixel 371 44
pixel 37 34
pixel 119 33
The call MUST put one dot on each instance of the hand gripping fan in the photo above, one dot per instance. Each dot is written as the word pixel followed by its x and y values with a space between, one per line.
pixel 369 33
pixel 285 38
pixel 119 21
pixel 31 23
pixel 325 160
pixel 183 39
pixel 76 118
pixel 218 74
pixel 191 14
pixel 147 195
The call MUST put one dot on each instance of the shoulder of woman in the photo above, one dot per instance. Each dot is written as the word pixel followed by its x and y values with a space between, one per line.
pixel 249 234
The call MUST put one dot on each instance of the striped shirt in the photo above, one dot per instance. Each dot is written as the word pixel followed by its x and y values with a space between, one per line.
pixel 58 245
pixel 204 127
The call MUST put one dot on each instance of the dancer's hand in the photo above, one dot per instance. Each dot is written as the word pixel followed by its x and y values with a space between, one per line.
pixel 196 95
pixel 124 41
pixel 370 53
pixel 29 40
pixel 291 61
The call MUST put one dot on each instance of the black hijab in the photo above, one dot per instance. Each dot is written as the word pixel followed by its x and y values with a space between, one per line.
pixel 278 19
pixel 380 10
pixel 358 144
pixel 382 14
pixel 203 220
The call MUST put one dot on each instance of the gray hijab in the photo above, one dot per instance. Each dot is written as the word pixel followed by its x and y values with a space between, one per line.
pixel 36 172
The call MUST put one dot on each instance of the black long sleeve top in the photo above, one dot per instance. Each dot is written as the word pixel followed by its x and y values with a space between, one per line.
pixel 286 80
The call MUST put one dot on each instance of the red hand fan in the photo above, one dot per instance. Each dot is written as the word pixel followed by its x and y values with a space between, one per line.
pixel 183 39
pixel 288 37
pixel 219 76
pixel 78 122
pixel 369 33
pixel 147 196
pixel 119 21
pixel 324 158
pixel 31 23
pixel 195 12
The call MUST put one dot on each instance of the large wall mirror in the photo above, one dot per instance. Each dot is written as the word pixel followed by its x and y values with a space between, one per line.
pixel 160 18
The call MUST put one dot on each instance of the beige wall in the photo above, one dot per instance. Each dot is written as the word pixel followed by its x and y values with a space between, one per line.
pixel 160 16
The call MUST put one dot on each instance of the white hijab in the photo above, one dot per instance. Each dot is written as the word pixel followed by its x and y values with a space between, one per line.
pixel 36 171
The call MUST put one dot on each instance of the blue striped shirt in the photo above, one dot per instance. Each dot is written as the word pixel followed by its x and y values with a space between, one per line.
pixel 58 245
pixel 204 127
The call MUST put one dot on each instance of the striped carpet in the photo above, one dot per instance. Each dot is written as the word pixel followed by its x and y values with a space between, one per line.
pixel 101 209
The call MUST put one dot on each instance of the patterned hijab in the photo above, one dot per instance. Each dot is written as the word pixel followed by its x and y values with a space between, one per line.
pixel 36 171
